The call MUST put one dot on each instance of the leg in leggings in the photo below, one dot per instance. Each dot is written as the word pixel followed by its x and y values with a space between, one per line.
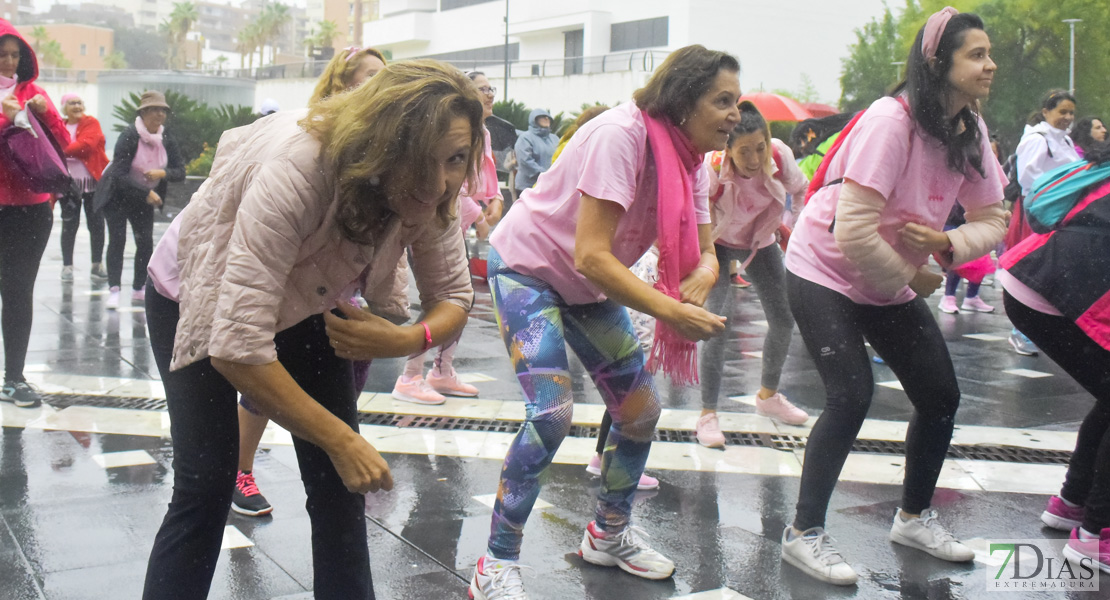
pixel 142 227
pixel 94 222
pixel 711 362
pixel 115 216
pixel 71 222
pixel 1088 478
pixel 828 323
pixel 533 319
pixel 924 367
pixel 24 232
pixel 768 277
pixel 951 283
pixel 972 290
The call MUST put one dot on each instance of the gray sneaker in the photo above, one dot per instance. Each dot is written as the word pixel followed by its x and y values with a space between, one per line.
pixel 21 393
pixel 67 273
pixel 1023 345
pixel 98 273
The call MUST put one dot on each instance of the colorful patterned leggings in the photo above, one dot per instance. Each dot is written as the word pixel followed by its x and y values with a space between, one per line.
pixel 536 325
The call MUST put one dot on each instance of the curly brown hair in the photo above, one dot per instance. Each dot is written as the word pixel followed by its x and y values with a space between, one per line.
pixel 388 128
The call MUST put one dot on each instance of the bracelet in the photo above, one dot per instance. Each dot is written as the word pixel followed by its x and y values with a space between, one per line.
pixel 427 337
pixel 716 276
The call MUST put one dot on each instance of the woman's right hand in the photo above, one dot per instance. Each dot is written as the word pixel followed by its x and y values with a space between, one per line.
pixel 11 107
pixel 359 465
pixel 925 282
pixel 695 323
pixel 154 199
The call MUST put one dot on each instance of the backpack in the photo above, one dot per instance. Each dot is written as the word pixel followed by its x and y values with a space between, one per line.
pixel 1057 192
pixel 1012 191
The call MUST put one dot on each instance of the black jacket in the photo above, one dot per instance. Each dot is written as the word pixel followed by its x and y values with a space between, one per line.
pixel 116 181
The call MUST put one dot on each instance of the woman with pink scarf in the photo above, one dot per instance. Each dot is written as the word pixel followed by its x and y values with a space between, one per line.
pixel 145 159
pixel 558 274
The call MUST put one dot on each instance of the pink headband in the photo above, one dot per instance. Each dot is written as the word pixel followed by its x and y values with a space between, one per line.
pixel 351 52
pixel 934 29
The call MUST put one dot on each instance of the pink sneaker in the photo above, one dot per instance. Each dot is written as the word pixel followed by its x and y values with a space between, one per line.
pixel 777 407
pixel 948 305
pixel 708 431
pixel 416 391
pixel 1097 548
pixel 449 384
pixel 647 482
pixel 976 304
pixel 1059 515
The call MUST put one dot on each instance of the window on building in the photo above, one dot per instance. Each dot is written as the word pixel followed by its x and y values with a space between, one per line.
pixel 84 49
pixel 573 48
pixel 451 4
pixel 102 51
pixel 475 56
pixel 633 35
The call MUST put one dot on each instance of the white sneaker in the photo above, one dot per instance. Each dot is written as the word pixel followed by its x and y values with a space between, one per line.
pixel 67 273
pixel 927 534
pixel 497 580
pixel 627 550
pixel 814 554
pixel 113 298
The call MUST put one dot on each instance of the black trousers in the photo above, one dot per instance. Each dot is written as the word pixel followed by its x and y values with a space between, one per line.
pixel 71 222
pixel 129 207
pixel 24 232
pixel 205 430
pixel 906 336
pixel 1088 479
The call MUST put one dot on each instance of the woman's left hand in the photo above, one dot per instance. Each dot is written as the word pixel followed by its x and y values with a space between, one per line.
pixel 694 289
pixel 920 238
pixel 364 335
pixel 155 174
pixel 37 104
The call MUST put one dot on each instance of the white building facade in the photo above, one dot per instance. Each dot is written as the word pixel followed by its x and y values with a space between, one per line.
pixel 560 54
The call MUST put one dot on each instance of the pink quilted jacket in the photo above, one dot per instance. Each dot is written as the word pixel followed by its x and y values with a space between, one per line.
pixel 259 250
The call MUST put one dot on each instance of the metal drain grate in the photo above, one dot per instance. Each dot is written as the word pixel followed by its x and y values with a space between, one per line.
pixel 786 443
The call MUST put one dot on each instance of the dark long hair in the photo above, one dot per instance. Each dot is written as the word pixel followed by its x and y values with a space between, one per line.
pixel 1081 132
pixel 1098 154
pixel 927 89
pixel 681 79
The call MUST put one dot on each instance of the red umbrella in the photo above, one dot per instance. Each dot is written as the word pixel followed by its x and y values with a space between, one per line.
pixel 819 110
pixel 777 108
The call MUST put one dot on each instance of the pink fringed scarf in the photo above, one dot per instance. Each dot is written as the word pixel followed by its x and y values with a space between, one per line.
pixel 676 164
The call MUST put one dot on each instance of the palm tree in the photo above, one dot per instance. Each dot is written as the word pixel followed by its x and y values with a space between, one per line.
pixel 274 18
pixel 180 23
pixel 325 37
pixel 115 60
pixel 39 34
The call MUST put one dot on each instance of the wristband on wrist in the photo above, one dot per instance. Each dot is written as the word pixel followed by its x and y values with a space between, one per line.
pixel 427 337
pixel 716 276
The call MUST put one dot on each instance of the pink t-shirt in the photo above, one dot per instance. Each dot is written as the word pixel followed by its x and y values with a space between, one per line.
pixel 607 159
pixel 887 153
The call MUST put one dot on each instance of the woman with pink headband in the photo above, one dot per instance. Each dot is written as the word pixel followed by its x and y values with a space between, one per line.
pixel 858 272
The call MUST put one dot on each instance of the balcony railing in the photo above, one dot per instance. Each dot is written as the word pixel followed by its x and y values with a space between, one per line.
pixel 642 61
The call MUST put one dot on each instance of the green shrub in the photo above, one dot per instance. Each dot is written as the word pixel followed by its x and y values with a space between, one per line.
pixel 202 165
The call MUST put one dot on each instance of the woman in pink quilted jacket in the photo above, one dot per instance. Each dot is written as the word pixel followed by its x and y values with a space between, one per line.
pixel 249 293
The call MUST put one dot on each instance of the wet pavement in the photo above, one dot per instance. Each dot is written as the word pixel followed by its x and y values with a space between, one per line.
pixel 84 480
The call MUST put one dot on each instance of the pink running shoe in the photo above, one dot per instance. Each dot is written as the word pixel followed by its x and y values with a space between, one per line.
pixel 777 407
pixel 708 431
pixel 976 304
pixel 647 482
pixel 416 391
pixel 449 384
pixel 1059 515
pixel 948 305
pixel 1097 548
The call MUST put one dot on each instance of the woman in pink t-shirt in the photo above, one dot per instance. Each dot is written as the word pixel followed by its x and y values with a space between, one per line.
pixel 559 275
pixel 748 185
pixel 858 271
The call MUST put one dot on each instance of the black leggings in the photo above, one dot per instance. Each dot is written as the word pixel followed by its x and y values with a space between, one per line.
pixel 205 430
pixel 71 222
pixel 132 207
pixel 24 231
pixel 1088 479
pixel 906 336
